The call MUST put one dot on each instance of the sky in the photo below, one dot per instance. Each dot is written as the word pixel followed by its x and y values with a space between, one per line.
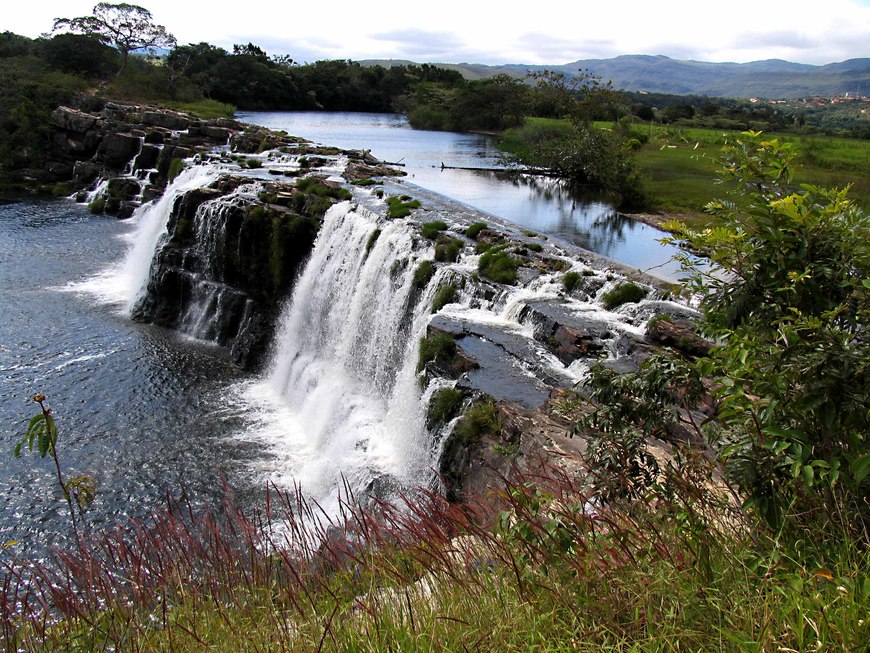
pixel 470 31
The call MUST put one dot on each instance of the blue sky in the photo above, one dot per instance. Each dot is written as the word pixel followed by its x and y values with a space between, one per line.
pixel 540 32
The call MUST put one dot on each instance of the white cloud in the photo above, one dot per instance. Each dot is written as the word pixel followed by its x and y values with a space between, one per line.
pixel 548 31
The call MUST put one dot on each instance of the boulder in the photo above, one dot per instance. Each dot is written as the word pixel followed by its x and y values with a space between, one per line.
pixel 73 120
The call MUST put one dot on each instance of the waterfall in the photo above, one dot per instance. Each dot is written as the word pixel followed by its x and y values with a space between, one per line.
pixel 124 282
pixel 342 374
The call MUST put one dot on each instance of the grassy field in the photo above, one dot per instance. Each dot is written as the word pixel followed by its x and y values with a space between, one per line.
pixel 680 165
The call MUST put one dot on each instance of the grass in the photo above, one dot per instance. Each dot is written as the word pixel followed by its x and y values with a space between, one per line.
pixel 497 265
pixel 447 249
pixel 680 169
pixel 445 295
pixel 444 405
pixel 401 207
pixel 439 347
pixel 624 293
pixel 205 109
pixel 424 272
pixel 431 229
pixel 528 568
pixel 475 229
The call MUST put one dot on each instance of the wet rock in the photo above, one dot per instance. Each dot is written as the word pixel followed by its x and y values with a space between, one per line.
pixel 678 334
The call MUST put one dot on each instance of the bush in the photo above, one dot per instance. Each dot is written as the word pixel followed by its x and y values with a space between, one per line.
pixel 423 274
pixel 571 281
pixel 370 243
pixel 175 168
pixel 481 419
pixel 497 265
pixel 432 229
pixel 624 293
pixel 474 229
pixel 443 406
pixel 439 347
pixel 445 295
pixel 398 207
pixel 447 249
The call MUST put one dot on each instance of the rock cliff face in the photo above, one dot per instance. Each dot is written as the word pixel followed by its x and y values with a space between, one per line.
pixel 228 260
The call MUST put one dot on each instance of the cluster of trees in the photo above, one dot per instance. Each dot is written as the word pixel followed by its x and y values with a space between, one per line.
pixel 786 299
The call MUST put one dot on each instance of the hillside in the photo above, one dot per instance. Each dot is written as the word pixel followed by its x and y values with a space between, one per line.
pixel 772 78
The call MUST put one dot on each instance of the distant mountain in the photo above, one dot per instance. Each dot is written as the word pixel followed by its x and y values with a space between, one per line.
pixel 771 78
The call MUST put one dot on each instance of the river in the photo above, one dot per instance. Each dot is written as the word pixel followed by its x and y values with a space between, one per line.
pixel 540 204
pixel 149 411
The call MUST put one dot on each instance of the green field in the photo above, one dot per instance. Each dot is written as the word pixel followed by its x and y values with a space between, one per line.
pixel 680 165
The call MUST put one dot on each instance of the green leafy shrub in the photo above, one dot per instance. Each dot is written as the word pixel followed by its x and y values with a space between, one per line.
pixel 444 405
pixel 439 347
pixel 535 247
pixel 370 243
pixel 398 207
pixel 624 293
pixel 571 281
pixel 97 205
pixel 497 265
pixel 474 229
pixel 446 295
pixel 447 249
pixel 423 274
pixel 175 167
pixel 479 420
pixel 431 229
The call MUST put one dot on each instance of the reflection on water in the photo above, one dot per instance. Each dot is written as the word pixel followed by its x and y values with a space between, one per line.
pixel 545 205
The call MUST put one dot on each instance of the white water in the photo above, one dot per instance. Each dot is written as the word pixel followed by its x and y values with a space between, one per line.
pixel 340 401
pixel 123 283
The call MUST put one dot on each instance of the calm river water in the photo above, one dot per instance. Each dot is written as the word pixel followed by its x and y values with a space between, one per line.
pixel 537 203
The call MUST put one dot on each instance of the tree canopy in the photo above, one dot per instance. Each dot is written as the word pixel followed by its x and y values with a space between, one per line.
pixel 124 26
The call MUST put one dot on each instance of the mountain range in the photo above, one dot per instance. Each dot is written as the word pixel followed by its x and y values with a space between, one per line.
pixel 771 78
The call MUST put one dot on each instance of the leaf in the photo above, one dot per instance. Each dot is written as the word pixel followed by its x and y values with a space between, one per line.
pixel 808 474
pixel 860 467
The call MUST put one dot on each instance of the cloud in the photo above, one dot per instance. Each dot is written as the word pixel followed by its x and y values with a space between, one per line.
pixel 421 43
pixel 544 48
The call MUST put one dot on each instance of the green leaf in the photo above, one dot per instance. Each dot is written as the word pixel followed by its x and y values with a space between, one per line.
pixel 860 467
pixel 808 474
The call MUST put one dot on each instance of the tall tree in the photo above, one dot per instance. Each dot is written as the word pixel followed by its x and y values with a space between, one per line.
pixel 124 26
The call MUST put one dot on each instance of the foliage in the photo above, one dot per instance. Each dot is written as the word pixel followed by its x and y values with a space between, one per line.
pixel 444 405
pixel 497 265
pixel 424 272
pixel 433 228
pixel 447 249
pixel 126 27
pixel 398 207
pixel 446 295
pixel 370 243
pixel 623 293
pixel 571 281
pixel 440 347
pixel 79 490
pixel 788 296
pixel 479 420
pixel 474 229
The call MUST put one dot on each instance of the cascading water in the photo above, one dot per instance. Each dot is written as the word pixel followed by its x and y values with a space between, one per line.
pixel 343 364
pixel 123 283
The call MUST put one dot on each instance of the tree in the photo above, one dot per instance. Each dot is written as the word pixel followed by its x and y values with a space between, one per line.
pixel 786 298
pixel 124 26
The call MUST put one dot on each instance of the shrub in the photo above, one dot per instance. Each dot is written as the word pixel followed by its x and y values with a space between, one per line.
pixel 439 347
pixel 175 167
pixel 432 229
pixel 398 207
pixel 423 274
pixel 624 293
pixel 497 265
pixel 571 281
pixel 445 295
pixel 481 419
pixel 98 205
pixel 535 247
pixel 444 405
pixel 447 249
pixel 372 240
pixel 475 229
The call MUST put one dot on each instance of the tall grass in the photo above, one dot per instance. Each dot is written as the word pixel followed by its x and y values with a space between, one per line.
pixel 540 565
